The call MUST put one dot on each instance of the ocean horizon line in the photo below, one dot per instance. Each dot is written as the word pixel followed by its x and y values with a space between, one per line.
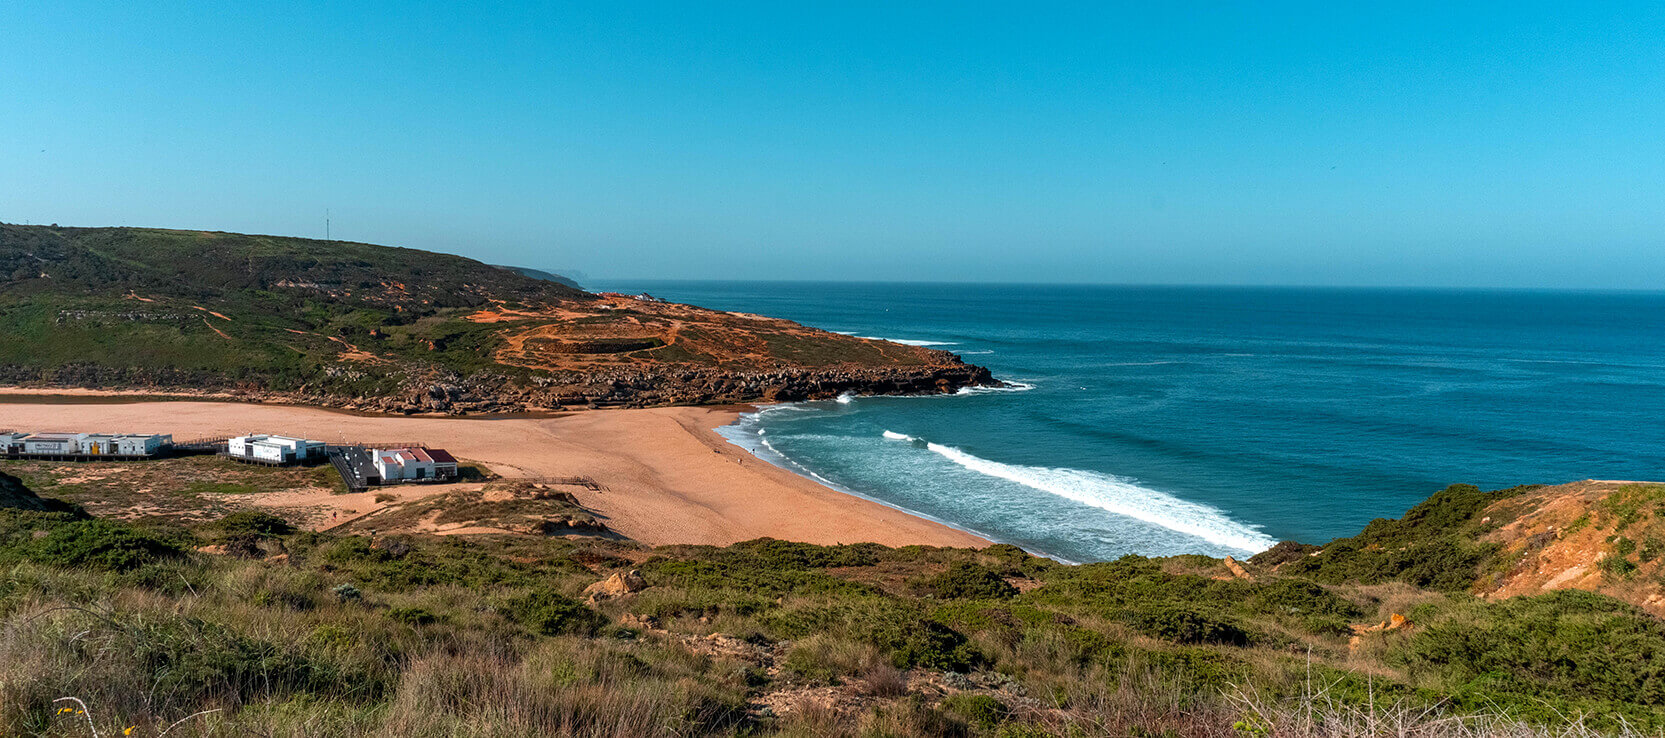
pixel 591 284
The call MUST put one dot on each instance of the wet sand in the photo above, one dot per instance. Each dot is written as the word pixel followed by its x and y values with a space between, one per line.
pixel 666 475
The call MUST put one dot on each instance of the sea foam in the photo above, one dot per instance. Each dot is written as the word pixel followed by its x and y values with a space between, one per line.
pixel 1011 386
pixel 910 341
pixel 1114 494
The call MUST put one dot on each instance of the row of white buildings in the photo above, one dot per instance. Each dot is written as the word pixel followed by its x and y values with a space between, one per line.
pixel 84 444
pixel 279 450
pixel 368 466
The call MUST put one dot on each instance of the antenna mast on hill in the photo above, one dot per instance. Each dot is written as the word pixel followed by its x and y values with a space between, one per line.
pixel 326 224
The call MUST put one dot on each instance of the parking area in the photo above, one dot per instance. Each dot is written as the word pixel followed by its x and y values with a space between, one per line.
pixel 356 467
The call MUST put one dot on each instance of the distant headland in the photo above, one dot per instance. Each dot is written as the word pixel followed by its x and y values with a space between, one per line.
pixel 385 329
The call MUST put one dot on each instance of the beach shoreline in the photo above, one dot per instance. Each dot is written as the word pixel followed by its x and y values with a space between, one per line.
pixel 666 475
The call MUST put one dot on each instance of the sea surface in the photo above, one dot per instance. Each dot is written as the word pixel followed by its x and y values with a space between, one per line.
pixel 1163 420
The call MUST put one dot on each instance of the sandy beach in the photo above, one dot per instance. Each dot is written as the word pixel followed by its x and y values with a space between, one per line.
pixel 666 475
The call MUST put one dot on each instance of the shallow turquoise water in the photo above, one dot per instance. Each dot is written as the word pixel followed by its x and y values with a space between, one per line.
pixel 1217 420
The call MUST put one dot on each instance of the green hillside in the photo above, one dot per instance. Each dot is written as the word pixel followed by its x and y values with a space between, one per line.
pixel 394 329
pixel 113 306
pixel 246 626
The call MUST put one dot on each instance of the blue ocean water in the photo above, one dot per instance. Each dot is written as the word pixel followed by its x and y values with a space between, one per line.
pixel 1161 420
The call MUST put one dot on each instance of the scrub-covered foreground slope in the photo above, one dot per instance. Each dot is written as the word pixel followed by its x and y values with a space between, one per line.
pixel 240 624
pixel 376 327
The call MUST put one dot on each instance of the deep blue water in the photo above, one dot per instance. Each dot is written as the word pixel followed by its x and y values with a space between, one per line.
pixel 1218 420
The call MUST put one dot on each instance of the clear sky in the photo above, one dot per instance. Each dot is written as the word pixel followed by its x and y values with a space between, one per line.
pixel 1506 144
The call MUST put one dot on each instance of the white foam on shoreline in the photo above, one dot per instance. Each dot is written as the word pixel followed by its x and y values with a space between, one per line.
pixel 1114 494
pixel 846 398
pixel 910 341
pixel 745 434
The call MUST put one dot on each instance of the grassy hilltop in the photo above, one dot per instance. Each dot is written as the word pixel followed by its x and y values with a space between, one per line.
pixel 282 632
pixel 385 328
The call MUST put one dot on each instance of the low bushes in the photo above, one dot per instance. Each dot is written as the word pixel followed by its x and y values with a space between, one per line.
pixel 551 613
pixel 102 544
pixel 1567 644
pixel 898 628
pixel 1182 624
pixel 970 581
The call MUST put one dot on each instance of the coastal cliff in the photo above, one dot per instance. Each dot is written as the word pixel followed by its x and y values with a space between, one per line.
pixel 368 327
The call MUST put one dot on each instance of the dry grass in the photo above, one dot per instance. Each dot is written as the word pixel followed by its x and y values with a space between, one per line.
pixel 1316 713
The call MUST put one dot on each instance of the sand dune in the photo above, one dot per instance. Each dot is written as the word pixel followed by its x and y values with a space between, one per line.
pixel 667 477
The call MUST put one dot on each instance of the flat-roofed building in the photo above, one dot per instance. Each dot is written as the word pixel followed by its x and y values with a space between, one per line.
pixel 53 444
pixel 275 449
pixel 98 444
pixel 148 445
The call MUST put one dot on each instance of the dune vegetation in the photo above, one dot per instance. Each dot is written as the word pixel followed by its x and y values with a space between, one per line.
pixel 113 626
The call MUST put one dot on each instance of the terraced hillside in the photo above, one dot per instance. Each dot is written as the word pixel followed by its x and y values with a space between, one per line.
pixel 393 329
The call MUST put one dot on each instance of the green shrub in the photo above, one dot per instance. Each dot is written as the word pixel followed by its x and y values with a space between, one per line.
pixel 1301 597
pixel 1182 624
pixel 252 523
pixel 551 613
pixel 191 660
pixel 970 581
pixel 1428 547
pixel 898 628
pixel 1618 566
pixel 980 710
pixel 413 615
pixel 1650 549
pixel 1570 644
pixel 102 544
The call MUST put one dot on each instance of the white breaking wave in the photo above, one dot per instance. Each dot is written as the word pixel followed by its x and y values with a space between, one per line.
pixel 1117 495
pixel 894 436
pixel 846 398
pixel 910 341
pixel 1011 386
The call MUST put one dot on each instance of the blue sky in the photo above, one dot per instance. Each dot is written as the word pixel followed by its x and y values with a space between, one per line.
pixel 1508 144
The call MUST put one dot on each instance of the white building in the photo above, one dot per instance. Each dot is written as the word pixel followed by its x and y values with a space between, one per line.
pixel 142 445
pixel 274 449
pixel 83 444
pixel 53 444
pixel 406 464
pixel 98 444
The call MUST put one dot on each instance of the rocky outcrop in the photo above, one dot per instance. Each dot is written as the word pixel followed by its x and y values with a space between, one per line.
pixel 444 391
pixel 649 388
pixel 617 585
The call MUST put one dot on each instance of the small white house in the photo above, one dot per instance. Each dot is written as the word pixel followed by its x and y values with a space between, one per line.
pixel 274 449
pixel 409 464
pixel 142 445
pixel 53 444
pixel 12 443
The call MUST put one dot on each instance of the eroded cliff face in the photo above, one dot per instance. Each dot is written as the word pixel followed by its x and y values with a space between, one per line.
pixel 1599 536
